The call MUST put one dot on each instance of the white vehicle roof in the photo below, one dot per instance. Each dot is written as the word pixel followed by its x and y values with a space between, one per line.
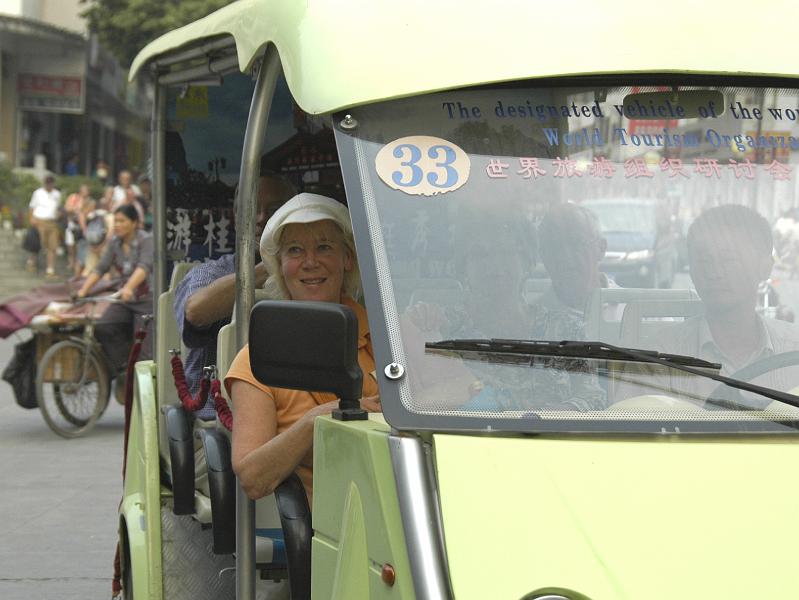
pixel 341 53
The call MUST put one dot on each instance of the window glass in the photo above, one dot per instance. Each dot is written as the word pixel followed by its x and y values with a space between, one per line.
pixel 661 218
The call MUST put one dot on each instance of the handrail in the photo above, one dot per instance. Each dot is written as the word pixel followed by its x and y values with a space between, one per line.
pixel 245 258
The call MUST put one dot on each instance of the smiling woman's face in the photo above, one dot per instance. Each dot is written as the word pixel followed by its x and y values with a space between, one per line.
pixel 314 260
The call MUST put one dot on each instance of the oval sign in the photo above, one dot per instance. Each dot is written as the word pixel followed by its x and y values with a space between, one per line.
pixel 423 165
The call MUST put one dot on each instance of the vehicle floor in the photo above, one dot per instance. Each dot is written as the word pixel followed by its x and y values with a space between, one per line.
pixel 193 572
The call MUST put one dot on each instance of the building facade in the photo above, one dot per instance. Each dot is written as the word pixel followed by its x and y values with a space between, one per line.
pixel 65 103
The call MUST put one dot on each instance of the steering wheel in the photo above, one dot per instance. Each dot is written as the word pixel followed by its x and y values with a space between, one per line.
pixel 726 394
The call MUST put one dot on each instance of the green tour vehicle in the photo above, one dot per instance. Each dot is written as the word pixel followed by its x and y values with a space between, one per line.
pixel 553 427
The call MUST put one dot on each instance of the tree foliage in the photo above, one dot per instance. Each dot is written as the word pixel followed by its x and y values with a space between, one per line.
pixel 15 193
pixel 126 26
pixel 17 186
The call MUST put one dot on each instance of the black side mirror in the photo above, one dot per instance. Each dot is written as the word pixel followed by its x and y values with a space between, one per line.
pixel 311 346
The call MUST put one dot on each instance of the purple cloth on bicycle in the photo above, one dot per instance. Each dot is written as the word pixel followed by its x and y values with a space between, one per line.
pixel 17 311
pixel 201 342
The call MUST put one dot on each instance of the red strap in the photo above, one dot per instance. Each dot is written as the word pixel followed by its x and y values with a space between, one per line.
pixel 116 583
pixel 191 404
pixel 222 409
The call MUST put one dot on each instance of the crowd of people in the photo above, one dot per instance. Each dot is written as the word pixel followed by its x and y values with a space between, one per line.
pixel 80 224
pixel 107 239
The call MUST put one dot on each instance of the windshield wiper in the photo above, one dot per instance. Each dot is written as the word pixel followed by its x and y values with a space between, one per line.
pixel 522 352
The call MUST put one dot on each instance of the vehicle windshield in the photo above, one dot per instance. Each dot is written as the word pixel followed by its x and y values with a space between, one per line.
pixel 663 222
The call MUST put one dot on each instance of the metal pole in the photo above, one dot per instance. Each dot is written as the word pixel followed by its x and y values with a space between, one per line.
pixel 158 143
pixel 246 244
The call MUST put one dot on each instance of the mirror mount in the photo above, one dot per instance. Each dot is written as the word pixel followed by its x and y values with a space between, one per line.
pixel 350 410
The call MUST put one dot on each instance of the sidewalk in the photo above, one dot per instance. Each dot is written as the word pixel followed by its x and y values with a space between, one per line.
pixel 14 279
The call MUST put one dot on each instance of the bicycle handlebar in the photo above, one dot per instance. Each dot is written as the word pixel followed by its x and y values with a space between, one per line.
pixel 111 298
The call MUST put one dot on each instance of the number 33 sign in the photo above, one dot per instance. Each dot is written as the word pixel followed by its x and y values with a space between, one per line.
pixel 422 165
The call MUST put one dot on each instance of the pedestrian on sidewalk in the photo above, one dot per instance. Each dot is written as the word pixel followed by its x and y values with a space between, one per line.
pixel 121 190
pixel 44 215
pixel 102 171
pixel 99 229
pixel 73 233
pixel 86 208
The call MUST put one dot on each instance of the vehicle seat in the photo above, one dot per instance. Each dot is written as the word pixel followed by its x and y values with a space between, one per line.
pixel 642 325
pixel 534 288
pixel 269 544
pixel 603 317
pixel 644 322
pixel 226 347
pixel 167 336
pixel 175 427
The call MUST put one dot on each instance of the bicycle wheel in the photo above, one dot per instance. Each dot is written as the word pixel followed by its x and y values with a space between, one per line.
pixel 72 388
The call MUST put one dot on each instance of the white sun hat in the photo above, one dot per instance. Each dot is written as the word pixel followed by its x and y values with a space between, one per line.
pixel 303 208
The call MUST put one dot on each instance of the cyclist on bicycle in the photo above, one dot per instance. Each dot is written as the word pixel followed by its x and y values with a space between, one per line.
pixel 130 251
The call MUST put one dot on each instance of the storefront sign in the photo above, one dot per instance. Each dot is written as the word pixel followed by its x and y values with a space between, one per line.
pixel 50 93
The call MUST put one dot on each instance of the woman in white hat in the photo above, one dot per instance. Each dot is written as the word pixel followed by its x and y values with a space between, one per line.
pixel 308 249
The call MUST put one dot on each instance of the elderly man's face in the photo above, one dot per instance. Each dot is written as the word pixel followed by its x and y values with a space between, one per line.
pixel 726 268
pixel 271 196
pixel 572 263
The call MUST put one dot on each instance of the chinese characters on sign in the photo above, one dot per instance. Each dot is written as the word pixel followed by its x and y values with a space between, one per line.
pixel 200 233
pixel 634 168
pixel 50 93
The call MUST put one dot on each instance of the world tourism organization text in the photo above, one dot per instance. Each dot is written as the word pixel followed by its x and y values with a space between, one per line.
pixel 667 138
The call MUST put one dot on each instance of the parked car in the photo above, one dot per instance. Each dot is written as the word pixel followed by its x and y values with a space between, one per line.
pixel 642 246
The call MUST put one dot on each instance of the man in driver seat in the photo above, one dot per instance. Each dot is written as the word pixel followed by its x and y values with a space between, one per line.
pixel 730 253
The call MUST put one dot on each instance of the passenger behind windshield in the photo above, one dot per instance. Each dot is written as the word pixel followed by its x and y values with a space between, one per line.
pixel 729 253
pixel 491 268
pixel 571 249
pixel 494 267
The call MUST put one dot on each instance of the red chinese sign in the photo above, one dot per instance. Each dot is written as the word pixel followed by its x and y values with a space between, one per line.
pixel 50 93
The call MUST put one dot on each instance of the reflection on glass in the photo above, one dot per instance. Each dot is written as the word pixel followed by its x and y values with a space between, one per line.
pixel 581 216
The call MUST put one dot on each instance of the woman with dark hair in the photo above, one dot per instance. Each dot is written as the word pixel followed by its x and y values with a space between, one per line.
pixel 130 252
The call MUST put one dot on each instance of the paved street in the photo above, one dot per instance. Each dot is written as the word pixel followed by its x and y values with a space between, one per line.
pixel 58 500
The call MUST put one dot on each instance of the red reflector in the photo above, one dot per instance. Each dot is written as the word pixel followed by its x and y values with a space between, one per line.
pixel 388 575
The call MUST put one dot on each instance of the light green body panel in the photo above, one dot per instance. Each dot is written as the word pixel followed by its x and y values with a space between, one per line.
pixel 356 518
pixel 341 53
pixel 140 511
pixel 613 519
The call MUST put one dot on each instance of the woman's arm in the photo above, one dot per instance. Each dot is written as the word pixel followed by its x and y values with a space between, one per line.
pixel 135 280
pixel 101 269
pixel 262 459
pixel 93 278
